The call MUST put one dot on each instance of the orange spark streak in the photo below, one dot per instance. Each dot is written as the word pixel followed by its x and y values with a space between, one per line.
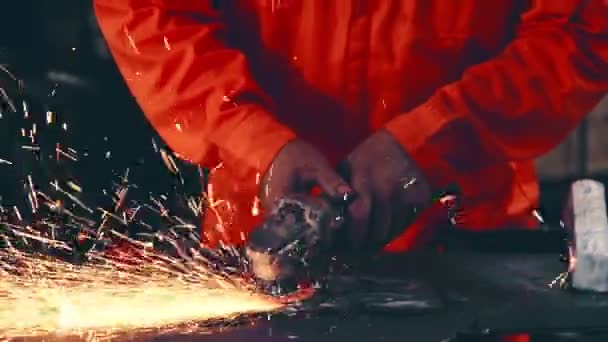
pixel 49 297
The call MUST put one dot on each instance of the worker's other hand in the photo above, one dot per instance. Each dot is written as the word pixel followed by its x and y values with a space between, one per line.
pixel 389 191
pixel 297 169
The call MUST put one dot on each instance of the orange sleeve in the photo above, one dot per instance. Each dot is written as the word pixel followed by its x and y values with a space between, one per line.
pixel 196 91
pixel 521 103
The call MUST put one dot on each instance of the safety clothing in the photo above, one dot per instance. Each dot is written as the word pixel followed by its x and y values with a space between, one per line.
pixel 473 90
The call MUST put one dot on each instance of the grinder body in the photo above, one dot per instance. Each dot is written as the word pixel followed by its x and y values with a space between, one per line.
pixel 292 243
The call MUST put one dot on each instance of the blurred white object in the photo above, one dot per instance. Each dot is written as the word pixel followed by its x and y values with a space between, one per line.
pixel 586 219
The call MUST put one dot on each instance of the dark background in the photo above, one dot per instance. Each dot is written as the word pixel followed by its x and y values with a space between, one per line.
pixel 56 48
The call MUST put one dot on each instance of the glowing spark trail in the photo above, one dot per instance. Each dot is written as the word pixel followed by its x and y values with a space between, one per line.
pixel 40 295
pixel 129 287
pixel 68 272
pixel 92 298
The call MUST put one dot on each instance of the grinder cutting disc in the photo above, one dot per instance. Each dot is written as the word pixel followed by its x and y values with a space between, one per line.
pixel 290 247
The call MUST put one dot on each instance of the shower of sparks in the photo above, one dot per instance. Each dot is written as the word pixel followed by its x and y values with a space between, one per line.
pixel 134 287
pixel 75 270
pixel 43 296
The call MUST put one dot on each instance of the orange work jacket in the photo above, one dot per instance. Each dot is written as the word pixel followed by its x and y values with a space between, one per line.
pixel 474 90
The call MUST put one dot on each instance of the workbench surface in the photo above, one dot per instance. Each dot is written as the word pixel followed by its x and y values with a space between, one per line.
pixel 498 289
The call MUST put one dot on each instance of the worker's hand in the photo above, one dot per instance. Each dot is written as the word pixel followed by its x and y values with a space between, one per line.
pixel 296 169
pixel 389 190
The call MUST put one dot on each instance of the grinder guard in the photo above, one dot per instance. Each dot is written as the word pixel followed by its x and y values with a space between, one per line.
pixel 289 247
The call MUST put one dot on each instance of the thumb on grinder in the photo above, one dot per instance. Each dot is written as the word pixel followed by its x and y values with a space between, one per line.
pixel 331 184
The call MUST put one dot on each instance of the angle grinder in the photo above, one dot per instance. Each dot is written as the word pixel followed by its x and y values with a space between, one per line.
pixel 292 245
pixel 298 240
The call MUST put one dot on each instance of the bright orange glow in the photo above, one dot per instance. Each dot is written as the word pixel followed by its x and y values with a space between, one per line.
pixel 44 296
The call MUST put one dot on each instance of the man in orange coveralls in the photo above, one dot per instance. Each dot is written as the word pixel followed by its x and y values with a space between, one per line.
pixel 464 92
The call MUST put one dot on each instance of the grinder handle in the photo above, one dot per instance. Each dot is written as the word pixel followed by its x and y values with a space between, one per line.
pixel 340 244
